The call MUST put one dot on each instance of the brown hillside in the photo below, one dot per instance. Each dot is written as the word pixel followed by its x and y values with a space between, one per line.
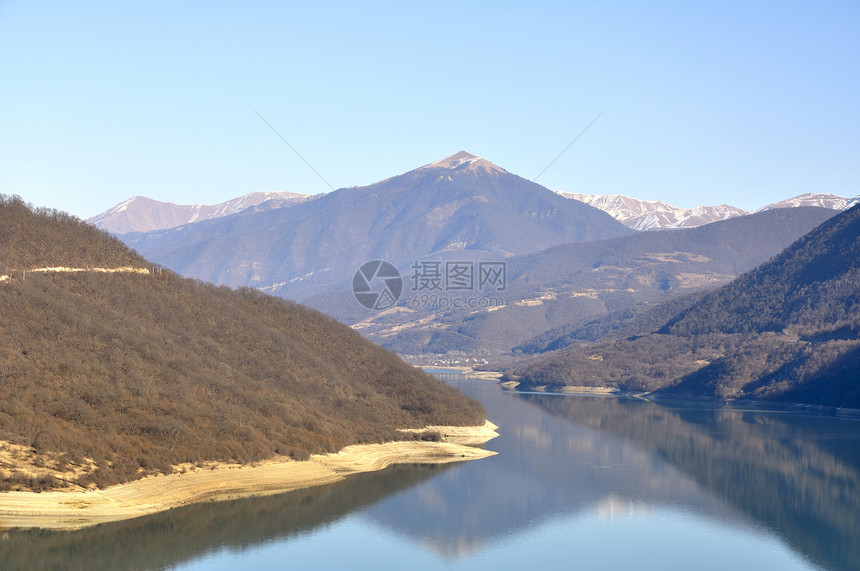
pixel 132 374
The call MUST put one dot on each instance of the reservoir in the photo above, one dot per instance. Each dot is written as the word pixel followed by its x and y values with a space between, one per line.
pixel 580 481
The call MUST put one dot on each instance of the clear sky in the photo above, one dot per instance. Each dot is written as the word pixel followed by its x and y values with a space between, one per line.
pixel 742 103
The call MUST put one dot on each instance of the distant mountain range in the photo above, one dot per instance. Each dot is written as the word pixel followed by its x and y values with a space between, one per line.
pixel 460 207
pixel 568 263
pixel 141 214
pixel 656 215
pixel 787 331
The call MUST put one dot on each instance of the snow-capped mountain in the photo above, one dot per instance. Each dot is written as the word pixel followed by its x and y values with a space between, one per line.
pixel 830 201
pixel 142 214
pixel 467 161
pixel 656 215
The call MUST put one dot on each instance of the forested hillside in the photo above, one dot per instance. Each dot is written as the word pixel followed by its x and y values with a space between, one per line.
pixel 813 284
pixel 788 330
pixel 31 238
pixel 113 376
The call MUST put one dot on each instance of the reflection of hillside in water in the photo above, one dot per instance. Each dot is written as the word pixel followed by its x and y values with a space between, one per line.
pixel 547 467
pixel 560 458
pixel 798 475
pixel 179 535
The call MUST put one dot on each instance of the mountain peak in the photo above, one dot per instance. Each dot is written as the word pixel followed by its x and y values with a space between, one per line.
pixel 465 161
pixel 824 200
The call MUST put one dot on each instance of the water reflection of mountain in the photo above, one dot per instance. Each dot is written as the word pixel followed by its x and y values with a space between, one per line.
pixel 561 459
pixel 177 536
pixel 798 475
pixel 548 466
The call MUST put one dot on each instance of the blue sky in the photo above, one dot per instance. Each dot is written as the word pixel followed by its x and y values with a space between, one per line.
pixel 743 103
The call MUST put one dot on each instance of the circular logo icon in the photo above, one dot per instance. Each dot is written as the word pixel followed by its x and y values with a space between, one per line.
pixel 377 285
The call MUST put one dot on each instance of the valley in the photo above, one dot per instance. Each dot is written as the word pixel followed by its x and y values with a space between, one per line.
pixel 567 263
pixel 578 302
pixel 409 285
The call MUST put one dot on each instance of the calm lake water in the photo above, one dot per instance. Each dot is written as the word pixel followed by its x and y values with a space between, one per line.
pixel 579 482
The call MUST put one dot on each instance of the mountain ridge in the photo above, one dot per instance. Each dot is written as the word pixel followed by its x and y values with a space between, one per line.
pixel 577 282
pixel 645 215
pixel 459 206
pixel 148 214
pixel 143 214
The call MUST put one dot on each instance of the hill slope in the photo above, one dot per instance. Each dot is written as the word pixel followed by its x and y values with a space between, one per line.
pixel 788 330
pixel 813 284
pixel 564 287
pixel 113 376
pixel 460 206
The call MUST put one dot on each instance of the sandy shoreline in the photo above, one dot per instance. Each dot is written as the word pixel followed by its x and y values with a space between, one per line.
pixel 469 371
pixel 77 509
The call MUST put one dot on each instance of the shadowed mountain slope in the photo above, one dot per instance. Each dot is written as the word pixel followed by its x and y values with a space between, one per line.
pixel 460 206
pixel 788 330
pixel 565 287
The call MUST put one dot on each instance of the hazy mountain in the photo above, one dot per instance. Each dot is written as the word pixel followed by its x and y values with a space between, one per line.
pixel 656 215
pixel 109 376
pixel 141 214
pixel 788 330
pixel 565 287
pixel 462 207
